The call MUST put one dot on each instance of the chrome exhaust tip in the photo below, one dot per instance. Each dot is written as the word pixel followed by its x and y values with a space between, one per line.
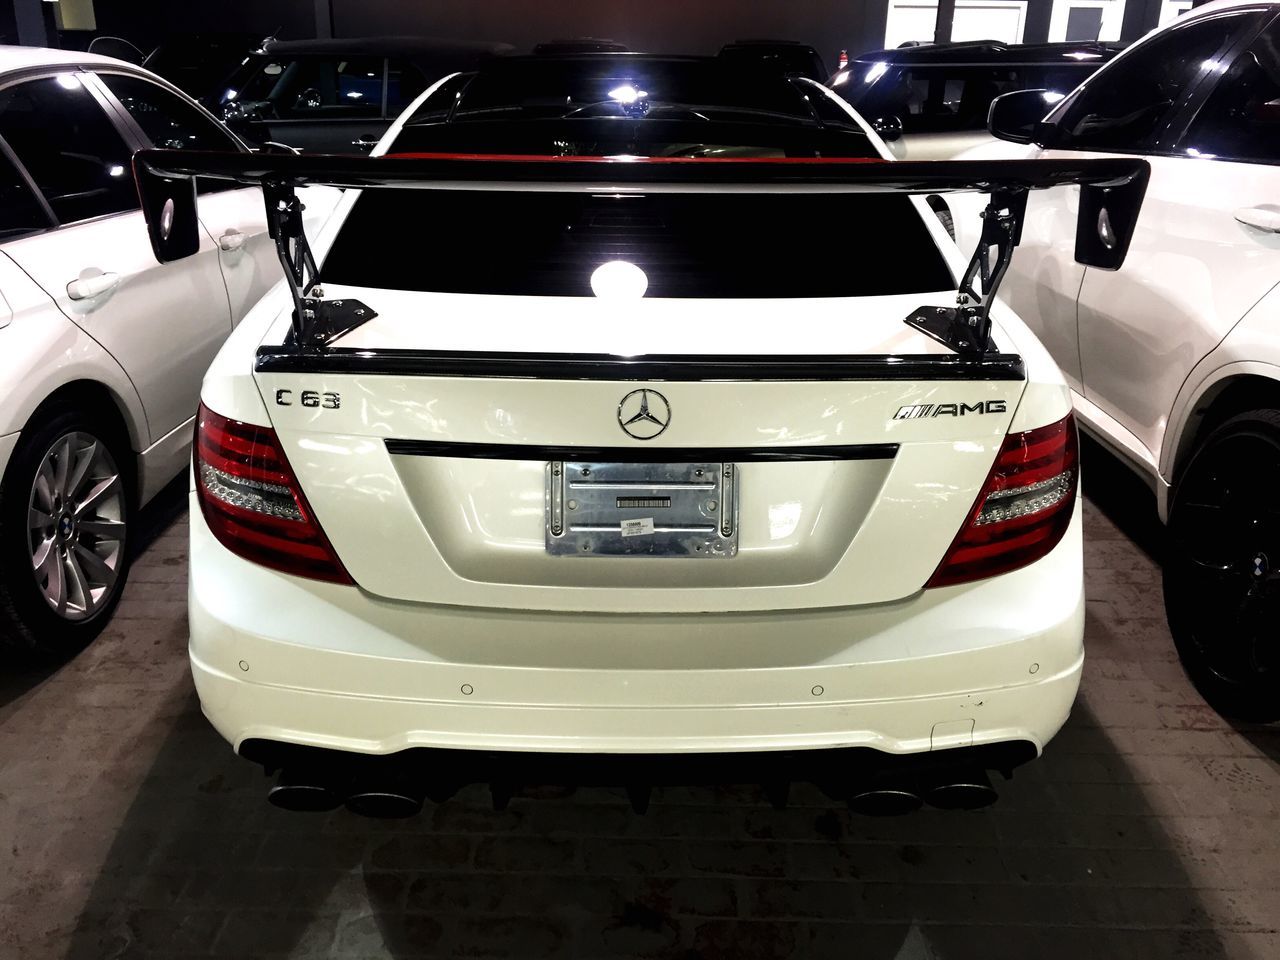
pixel 884 801
pixel 296 791
pixel 970 790
pixel 385 802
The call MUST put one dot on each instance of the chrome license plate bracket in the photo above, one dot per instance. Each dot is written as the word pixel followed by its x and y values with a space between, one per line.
pixel 642 510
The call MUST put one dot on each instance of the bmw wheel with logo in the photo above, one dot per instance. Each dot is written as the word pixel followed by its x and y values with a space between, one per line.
pixel 1222 575
pixel 65 508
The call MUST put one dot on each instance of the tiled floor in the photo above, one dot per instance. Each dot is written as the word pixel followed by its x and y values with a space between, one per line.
pixel 1148 830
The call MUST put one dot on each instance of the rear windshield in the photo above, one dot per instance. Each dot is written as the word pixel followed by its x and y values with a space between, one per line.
pixel 604 87
pixel 687 245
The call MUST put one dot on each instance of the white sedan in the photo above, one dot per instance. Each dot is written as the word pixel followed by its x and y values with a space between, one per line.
pixel 1174 362
pixel 101 348
pixel 574 455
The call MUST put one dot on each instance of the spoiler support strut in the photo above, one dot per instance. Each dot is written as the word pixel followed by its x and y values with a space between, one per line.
pixel 966 327
pixel 316 321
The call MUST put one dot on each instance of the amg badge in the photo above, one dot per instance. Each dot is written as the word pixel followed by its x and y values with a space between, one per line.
pixel 918 411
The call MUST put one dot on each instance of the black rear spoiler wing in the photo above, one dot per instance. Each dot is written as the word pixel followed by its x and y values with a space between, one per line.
pixel 1111 195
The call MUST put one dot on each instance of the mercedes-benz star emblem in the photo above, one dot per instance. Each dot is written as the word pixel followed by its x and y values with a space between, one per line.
pixel 644 414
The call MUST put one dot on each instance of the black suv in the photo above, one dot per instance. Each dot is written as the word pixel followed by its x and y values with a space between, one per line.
pixel 339 96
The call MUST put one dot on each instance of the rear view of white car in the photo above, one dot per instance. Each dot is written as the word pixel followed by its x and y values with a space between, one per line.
pixel 634 475
pixel 101 348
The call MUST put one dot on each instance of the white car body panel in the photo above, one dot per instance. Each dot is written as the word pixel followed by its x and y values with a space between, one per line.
pixel 188 302
pixel 150 337
pixel 282 658
pixel 41 350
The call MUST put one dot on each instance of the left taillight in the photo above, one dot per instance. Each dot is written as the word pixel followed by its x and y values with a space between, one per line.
pixel 1024 508
pixel 252 503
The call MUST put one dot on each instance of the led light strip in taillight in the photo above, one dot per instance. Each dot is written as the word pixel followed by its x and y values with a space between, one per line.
pixel 252 502
pixel 1024 508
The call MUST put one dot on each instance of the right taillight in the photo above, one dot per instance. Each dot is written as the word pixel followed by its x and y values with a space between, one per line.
pixel 251 501
pixel 1023 510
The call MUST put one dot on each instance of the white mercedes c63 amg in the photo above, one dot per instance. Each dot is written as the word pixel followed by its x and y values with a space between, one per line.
pixel 599 444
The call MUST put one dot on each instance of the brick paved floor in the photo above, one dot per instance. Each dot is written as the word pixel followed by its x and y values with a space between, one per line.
pixel 1148 830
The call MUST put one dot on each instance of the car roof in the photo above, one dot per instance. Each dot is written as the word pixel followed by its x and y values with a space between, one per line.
pixel 996 52
pixel 398 45
pixel 24 58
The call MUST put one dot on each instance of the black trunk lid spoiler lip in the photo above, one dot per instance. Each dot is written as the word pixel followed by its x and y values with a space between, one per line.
pixel 558 366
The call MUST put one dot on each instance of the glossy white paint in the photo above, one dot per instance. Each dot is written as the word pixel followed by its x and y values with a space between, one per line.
pixel 283 658
pixel 817 634
pixel 1146 348
pixel 42 350
pixel 88 302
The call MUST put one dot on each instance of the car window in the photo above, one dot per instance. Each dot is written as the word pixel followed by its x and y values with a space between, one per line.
pixel 404 83
pixel 721 245
pixel 20 211
pixel 315 88
pixel 1241 119
pixel 929 98
pixel 1128 104
pixel 168 121
pixel 72 150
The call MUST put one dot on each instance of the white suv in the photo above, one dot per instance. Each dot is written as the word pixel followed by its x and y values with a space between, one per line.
pixel 1174 361
pixel 101 348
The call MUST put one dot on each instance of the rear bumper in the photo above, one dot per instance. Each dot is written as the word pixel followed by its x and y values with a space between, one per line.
pixel 290 661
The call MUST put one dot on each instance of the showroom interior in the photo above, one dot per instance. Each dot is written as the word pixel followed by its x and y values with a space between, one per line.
pixel 688 480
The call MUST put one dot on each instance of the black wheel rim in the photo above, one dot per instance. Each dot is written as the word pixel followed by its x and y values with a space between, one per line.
pixel 1225 558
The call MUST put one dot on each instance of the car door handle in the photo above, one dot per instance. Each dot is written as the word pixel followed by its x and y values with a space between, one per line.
pixel 85 288
pixel 231 240
pixel 1265 217
pixel 364 144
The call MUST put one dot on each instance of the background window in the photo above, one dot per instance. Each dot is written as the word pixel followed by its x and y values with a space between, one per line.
pixel 404 83
pixel 20 211
pixel 313 88
pixel 168 121
pixel 1128 104
pixel 71 149
pixel 1241 119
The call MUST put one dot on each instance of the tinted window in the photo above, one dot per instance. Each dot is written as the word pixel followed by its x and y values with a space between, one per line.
pixel 1241 119
pixel 603 137
pixel 20 211
pixel 945 99
pixel 168 121
pixel 73 152
pixel 689 245
pixel 404 83
pixel 315 87
pixel 1128 105
pixel 693 89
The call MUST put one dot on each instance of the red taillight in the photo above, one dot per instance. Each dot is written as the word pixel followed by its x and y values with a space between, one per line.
pixel 1023 510
pixel 251 500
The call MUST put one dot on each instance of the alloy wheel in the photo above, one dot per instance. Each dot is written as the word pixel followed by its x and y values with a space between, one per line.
pixel 76 526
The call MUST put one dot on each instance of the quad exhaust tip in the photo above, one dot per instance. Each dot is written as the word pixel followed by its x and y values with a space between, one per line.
pixel 385 802
pixel 301 793
pixel 388 794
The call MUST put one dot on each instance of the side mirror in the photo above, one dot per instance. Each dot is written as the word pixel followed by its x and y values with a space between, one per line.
pixel 1019 116
pixel 889 128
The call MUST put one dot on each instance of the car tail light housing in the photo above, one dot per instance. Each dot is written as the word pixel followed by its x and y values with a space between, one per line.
pixel 251 500
pixel 1023 510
